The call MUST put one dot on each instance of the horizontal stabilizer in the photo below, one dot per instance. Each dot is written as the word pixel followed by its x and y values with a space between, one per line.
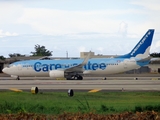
pixel 145 59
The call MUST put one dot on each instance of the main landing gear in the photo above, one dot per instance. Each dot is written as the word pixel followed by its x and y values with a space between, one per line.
pixel 75 77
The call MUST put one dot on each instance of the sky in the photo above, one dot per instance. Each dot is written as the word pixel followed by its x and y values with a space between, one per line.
pixel 108 27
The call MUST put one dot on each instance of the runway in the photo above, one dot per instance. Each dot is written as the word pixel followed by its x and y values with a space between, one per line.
pixel 148 84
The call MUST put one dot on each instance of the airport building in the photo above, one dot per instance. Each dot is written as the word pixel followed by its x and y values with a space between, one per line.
pixel 153 67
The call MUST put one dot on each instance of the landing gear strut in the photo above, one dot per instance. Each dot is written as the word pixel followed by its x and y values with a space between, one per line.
pixel 17 78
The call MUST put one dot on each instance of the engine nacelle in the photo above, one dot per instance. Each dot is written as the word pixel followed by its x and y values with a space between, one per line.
pixel 56 74
pixel 14 76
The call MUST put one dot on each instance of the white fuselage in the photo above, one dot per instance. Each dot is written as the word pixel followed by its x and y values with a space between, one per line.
pixel 112 68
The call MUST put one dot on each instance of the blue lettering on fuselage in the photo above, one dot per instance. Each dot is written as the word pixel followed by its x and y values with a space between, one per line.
pixel 38 66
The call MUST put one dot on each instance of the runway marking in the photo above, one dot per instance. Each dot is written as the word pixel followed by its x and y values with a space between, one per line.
pixel 60 78
pixel 154 78
pixel 16 90
pixel 94 90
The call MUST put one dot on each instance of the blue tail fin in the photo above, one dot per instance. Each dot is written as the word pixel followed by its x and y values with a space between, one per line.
pixel 141 50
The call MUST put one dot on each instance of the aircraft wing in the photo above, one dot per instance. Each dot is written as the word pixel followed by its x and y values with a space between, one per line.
pixel 145 59
pixel 78 68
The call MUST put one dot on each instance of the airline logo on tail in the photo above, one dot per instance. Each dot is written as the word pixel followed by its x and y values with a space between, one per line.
pixel 141 50
pixel 140 43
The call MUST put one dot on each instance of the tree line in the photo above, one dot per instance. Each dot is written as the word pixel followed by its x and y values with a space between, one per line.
pixel 155 55
pixel 39 51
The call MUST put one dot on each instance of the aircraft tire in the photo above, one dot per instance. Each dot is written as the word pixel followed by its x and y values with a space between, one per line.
pixel 80 78
pixel 75 77
pixel 18 78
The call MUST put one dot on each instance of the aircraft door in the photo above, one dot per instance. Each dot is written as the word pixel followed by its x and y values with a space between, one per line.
pixel 125 64
pixel 20 69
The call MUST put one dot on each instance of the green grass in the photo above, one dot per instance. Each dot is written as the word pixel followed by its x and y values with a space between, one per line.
pixel 60 102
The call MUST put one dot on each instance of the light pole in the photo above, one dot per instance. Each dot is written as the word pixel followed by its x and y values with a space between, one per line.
pixel 67 54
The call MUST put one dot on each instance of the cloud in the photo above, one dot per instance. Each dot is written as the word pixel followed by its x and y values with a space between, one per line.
pixel 81 49
pixel 156 47
pixel 5 34
pixel 57 22
pixel 56 48
pixel 100 49
pixel 10 12
pixel 123 28
pixel 152 5
pixel 77 30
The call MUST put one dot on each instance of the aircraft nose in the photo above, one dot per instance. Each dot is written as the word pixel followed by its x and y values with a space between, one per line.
pixel 4 70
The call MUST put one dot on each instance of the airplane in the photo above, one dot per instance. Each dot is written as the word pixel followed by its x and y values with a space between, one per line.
pixel 75 69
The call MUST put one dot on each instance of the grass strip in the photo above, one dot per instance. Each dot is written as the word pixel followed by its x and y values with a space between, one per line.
pixel 81 102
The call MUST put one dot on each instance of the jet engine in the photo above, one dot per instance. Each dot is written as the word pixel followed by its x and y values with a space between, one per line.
pixel 56 73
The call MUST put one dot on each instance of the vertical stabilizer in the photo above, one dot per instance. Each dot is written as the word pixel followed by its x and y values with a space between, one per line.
pixel 141 50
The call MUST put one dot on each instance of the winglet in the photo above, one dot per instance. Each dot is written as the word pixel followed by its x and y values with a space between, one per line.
pixel 86 59
pixel 80 66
